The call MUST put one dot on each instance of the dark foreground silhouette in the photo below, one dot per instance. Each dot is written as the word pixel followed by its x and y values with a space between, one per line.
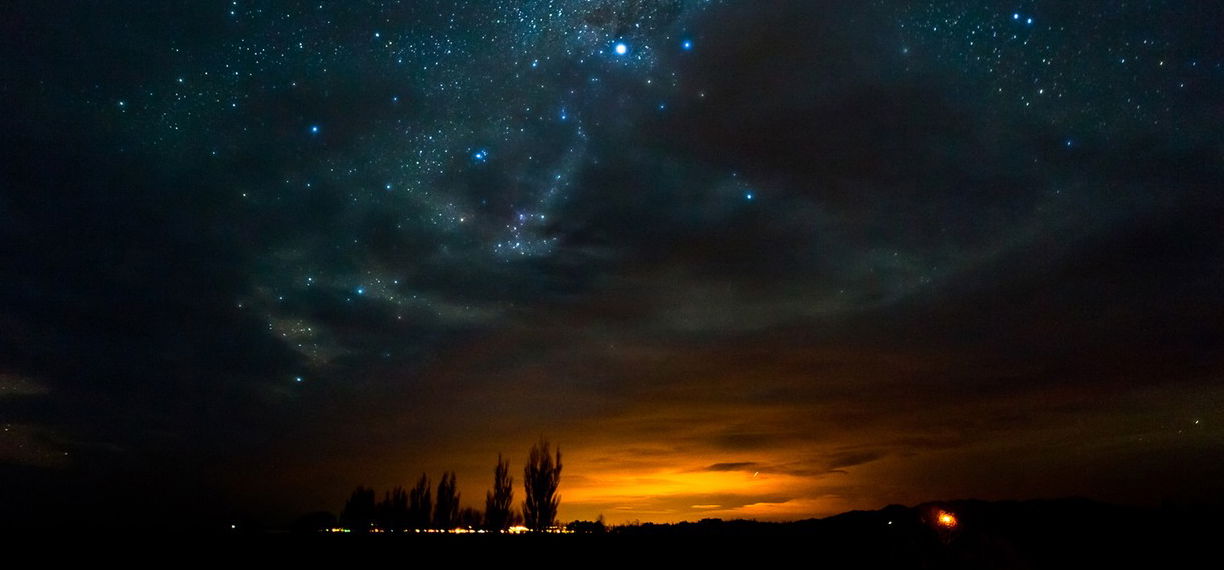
pixel 1063 533
pixel 1060 533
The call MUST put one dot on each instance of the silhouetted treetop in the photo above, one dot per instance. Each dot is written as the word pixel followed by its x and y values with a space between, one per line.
pixel 500 499
pixel 542 475
pixel 446 508
pixel 359 512
pixel 420 507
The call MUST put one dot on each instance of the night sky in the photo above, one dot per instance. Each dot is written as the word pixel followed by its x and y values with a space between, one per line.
pixel 750 259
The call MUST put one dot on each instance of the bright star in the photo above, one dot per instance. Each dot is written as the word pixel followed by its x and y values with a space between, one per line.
pixel 687 44
pixel 621 48
pixel 314 129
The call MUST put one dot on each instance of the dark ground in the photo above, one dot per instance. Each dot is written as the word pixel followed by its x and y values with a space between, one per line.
pixel 1030 534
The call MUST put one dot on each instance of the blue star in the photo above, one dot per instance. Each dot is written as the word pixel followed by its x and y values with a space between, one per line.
pixel 314 129
pixel 687 45
pixel 480 155
pixel 748 195
pixel 297 379
pixel 621 48
pixel 361 290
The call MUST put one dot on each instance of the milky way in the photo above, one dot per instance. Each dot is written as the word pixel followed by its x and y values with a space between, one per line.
pixel 766 259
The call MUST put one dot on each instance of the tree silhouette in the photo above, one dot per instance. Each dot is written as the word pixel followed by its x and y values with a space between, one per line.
pixel 542 474
pixel 419 504
pixel 498 501
pixel 393 510
pixel 359 512
pixel 588 527
pixel 446 508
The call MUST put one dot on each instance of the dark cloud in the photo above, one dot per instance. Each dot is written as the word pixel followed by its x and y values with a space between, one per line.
pixel 827 244
pixel 741 466
pixel 853 458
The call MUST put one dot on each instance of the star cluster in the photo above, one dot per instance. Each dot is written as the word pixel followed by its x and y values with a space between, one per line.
pixel 449 131
pixel 753 259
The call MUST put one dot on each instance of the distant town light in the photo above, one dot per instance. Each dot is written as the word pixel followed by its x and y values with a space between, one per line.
pixel 946 519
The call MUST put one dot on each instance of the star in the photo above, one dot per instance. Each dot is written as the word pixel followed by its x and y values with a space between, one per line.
pixel 615 202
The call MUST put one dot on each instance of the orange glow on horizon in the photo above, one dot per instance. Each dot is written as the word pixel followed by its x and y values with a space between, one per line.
pixel 692 493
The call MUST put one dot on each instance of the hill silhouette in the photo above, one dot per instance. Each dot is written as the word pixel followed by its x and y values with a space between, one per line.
pixel 1055 533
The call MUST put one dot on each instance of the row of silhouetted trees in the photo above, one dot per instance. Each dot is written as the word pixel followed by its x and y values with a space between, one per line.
pixel 420 509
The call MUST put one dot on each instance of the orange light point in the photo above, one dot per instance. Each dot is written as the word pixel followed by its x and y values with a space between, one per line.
pixel 946 519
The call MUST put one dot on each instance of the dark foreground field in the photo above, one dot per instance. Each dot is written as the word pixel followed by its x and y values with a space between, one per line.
pixel 1031 534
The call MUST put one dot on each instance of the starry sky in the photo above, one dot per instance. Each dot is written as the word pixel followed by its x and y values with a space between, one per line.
pixel 736 258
